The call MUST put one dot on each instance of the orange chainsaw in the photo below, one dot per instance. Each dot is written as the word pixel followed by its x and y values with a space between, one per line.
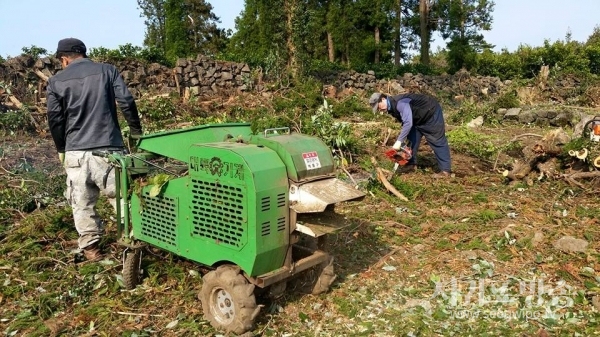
pixel 399 157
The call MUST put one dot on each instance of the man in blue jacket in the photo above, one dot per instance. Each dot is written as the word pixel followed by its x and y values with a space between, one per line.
pixel 82 117
pixel 420 115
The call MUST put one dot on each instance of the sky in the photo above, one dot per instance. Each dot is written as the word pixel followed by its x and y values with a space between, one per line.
pixel 111 23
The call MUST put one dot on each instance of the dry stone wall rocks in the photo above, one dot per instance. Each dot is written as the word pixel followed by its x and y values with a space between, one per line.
pixel 558 117
pixel 205 76
pixel 201 75
pixel 460 84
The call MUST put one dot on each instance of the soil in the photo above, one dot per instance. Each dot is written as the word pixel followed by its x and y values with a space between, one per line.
pixel 473 226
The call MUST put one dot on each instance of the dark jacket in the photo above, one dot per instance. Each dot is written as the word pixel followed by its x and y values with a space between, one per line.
pixel 82 112
pixel 422 106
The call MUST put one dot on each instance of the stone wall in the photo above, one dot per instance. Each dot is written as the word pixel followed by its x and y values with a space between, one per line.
pixel 541 116
pixel 460 84
pixel 199 75
pixel 204 76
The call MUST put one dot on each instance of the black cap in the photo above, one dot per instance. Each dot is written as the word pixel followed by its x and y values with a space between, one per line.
pixel 71 45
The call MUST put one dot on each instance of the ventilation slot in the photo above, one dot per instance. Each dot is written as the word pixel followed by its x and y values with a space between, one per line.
pixel 159 219
pixel 218 212
pixel 265 204
pixel 281 224
pixel 281 200
pixel 266 228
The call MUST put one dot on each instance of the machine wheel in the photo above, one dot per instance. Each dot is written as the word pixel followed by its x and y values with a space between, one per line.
pixel 132 268
pixel 228 300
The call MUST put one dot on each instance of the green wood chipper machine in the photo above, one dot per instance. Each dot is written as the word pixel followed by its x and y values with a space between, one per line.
pixel 255 208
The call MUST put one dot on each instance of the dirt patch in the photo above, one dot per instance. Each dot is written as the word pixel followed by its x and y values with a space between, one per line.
pixel 468 245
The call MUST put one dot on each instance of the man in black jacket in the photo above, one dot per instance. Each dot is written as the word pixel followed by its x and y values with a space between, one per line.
pixel 420 115
pixel 82 117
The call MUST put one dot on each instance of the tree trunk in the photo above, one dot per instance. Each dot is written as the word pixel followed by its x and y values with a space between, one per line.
pixel 292 63
pixel 398 33
pixel 377 42
pixel 425 33
pixel 330 47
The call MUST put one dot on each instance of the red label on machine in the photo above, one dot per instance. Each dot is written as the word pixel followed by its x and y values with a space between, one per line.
pixel 311 159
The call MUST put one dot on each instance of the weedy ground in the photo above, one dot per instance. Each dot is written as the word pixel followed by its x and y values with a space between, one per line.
pixel 467 256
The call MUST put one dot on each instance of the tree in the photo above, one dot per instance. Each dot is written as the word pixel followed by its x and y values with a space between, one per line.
pixel 260 35
pixel 177 41
pixel 154 13
pixel 181 28
pixel 462 21
pixel 421 21
pixel 398 33
pixel 425 31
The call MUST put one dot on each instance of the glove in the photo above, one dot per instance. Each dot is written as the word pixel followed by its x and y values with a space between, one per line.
pixel 400 145
pixel 61 157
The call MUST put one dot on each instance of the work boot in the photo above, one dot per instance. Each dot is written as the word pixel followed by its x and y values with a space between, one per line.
pixel 441 175
pixel 407 168
pixel 92 253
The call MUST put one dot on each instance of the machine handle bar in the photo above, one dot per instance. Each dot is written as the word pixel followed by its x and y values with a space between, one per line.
pixel 99 153
pixel 273 130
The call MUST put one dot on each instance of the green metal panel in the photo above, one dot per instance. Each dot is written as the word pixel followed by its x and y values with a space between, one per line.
pixel 156 220
pixel 233 206
pixel 175 143
pixel 304 156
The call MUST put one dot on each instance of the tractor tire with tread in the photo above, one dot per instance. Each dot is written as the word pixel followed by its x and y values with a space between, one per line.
pixel 132 273
pixel 228 300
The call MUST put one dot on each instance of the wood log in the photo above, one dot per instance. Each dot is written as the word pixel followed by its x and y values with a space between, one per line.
pixel 596 162
pixel 15 101
pixel 386 183
pixel 548 169
pixel 541 151
pixel 572 178
pixel 41 75
pixel 177 82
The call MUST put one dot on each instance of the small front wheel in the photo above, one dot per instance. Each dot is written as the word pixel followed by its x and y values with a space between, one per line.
pixel 228 300
pixel 132 268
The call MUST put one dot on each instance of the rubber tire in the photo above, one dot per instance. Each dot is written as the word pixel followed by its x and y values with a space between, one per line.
pixel 228 278
pixel 132 274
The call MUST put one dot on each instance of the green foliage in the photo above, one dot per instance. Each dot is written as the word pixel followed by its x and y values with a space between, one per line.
pixel 461 54
pixel 177 43
pixel 16 122
pixel 468 110
pixel 507 100
pixel 592 53
pixel 181 28
pixel 504 64
pixel 462 25
pixel 129 52
pixel 352 106
pixel 561 56
pixel 34 51
pixel 464 140
pixel 27 189
pixel 336 135
pixel 156 113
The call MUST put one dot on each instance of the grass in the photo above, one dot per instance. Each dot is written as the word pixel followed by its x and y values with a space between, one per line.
pixel 395 262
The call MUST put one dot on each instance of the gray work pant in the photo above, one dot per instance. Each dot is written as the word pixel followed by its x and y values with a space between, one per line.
pixel 87 176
